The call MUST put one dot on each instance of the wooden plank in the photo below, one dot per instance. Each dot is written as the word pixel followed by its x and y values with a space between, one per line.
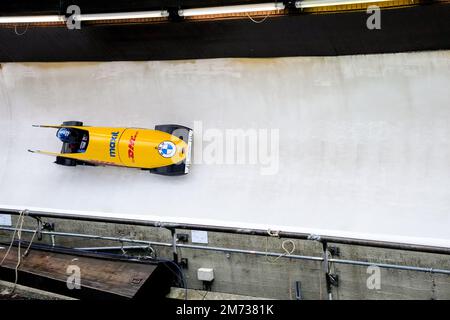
pixel 110 278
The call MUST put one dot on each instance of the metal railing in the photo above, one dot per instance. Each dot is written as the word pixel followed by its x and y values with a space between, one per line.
pixel 176 245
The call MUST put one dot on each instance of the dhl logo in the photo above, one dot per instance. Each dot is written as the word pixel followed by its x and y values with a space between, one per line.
pixel 131 145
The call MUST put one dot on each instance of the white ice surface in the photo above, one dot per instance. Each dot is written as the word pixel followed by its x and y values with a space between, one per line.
pixel 364 150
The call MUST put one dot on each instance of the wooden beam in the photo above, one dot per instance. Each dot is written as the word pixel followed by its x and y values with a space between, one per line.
pixel 100 277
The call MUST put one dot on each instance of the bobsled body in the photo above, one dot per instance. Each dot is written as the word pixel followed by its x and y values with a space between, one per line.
pixel 165 150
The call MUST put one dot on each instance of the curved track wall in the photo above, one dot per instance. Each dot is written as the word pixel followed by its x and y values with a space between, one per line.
pixel 364 146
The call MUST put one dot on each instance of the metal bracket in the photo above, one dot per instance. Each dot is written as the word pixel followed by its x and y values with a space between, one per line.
pixel 334 251
pixel 298 290
pixel 290 5
pixel 39 227
pixel 184 263
pixel 173 14
pixel 333 279
pixel 43 226
pixel 182 237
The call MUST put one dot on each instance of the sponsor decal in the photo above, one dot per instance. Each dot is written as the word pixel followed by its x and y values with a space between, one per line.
pixel 112 144
pixel 167 149
pixel 131 146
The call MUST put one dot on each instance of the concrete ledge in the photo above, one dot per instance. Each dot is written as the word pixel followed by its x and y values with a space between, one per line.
pixel 27 293
pixel 180 294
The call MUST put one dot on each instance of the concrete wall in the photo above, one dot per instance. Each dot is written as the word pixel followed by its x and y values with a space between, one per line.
pixel 260 276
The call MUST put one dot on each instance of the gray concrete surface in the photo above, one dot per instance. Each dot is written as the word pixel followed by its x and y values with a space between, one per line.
pixel 9 291
pixel 260 276
pixel 192 294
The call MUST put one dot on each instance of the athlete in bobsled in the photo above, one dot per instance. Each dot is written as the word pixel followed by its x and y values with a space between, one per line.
pixel 75 138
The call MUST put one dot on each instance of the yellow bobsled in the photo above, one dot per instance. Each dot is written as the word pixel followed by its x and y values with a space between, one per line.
pixel 165 150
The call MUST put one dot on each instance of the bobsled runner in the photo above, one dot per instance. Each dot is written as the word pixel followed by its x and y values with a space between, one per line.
pixel 166 150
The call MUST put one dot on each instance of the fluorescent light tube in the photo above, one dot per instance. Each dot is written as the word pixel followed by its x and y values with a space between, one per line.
pixel 86 17
pixel 323 3
pixel 246 8
pixel 123 15
pixel 32 19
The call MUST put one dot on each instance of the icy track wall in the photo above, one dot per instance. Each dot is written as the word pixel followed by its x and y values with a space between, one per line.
pixel 364 142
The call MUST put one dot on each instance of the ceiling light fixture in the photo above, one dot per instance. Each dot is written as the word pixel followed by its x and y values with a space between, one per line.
pixel 246 8
pixel 303 4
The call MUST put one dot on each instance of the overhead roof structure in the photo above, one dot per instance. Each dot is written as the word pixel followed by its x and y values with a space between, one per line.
pixel 164 30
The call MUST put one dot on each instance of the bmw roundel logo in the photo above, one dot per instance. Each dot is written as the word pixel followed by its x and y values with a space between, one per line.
pixel 167 149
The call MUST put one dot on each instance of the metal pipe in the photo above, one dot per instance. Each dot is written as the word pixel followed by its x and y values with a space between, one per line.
pixel 292 256
pixel 326 269
pixel 390 266
pixel 260 253
pixel 228 250
pixel 174 245
pixel 93 237
pixel 110 248
pixel 255 232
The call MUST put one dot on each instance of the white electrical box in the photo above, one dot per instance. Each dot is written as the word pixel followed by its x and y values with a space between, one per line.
pixel 205 274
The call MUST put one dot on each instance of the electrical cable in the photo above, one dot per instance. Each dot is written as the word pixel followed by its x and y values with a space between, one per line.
pixel 182 277
pixel 21 213
pixel 273 233
pixel 264 18
pixel 21 34
pixel 18 232
pixel 283 246
pixel 19 257
pixel 258 21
